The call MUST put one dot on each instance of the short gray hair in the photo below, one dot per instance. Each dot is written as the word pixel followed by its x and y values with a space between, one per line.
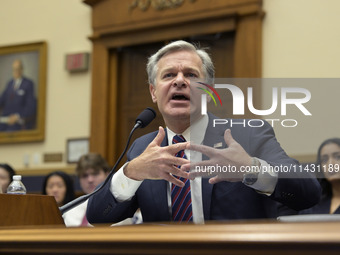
pixel 207 64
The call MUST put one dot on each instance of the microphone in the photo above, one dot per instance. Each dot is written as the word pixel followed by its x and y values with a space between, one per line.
pixel 143 119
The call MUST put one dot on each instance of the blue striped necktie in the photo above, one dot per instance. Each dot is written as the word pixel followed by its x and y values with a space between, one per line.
pixel 181 197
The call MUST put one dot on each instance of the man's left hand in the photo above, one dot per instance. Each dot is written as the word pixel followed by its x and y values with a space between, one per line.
pixel 222 162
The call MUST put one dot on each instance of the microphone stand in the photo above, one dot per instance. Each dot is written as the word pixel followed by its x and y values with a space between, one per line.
pixel 83 198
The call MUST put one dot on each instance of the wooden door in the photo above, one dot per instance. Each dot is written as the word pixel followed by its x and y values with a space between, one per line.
pixel 133 91
pixel 124 35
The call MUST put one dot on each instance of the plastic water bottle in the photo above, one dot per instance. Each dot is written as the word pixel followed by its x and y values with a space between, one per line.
pixel 16 186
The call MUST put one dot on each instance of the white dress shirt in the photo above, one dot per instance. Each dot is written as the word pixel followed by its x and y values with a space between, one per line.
pixel 75 216
pixel 17 83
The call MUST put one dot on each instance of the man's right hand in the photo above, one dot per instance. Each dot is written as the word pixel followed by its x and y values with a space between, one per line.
pixel 13 118
pixel 158 162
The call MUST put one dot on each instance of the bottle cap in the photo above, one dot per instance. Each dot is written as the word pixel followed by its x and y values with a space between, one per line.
pixel 17 177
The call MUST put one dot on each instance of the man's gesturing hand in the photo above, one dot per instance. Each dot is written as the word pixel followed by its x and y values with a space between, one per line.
pixel 234 156
pixel 158 162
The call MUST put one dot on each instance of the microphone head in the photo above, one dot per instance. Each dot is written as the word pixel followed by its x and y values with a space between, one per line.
pixel 145 117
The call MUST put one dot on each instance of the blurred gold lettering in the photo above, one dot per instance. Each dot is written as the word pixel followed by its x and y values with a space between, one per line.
pixel 158 5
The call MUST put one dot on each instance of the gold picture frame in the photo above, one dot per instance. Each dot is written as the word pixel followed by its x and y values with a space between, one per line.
pixel 33 59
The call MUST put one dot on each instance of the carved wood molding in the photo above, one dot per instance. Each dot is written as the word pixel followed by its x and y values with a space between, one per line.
pixel 117 18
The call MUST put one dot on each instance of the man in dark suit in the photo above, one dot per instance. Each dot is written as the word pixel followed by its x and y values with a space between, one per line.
pixel 156 177
pixel 17 102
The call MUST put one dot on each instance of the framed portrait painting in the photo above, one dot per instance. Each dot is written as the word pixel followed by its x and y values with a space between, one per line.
pixel 22 92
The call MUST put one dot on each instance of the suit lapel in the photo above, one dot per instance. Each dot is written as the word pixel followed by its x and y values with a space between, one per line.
pixel 159 191
pixel 214 137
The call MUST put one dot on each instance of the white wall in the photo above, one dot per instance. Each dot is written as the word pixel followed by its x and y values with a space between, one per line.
pixel 301 39
pixel 65 26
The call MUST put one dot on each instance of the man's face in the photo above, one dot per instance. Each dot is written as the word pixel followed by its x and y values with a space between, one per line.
pixel 5 180
pixel 172 89
pixel 90 179
pixel 56 187
pixel 17 69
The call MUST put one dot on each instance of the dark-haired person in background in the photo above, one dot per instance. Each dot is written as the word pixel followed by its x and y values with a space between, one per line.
pixel 59 185
pixel 328 158
pixel 92 170
pixel 151 181
pixel 6 176
pixel 17 102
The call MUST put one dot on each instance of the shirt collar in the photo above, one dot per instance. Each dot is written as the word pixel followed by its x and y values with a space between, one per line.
pixel 195 133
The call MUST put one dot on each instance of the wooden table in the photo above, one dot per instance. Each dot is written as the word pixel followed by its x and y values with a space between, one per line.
pixel 246 237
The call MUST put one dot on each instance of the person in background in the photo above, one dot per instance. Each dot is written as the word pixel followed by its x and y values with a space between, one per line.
pixel 328 159
pixel 91 170
pixel 59 185
pixel 6 176
pixel 18 102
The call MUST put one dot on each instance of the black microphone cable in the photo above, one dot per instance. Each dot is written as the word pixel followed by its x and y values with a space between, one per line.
pixel 143 119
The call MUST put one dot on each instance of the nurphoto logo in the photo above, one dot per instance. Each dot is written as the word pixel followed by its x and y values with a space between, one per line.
pixel 239 102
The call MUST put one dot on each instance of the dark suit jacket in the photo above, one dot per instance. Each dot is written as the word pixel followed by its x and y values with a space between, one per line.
pixel 323 207
pixel 21 101
pixel 221 201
